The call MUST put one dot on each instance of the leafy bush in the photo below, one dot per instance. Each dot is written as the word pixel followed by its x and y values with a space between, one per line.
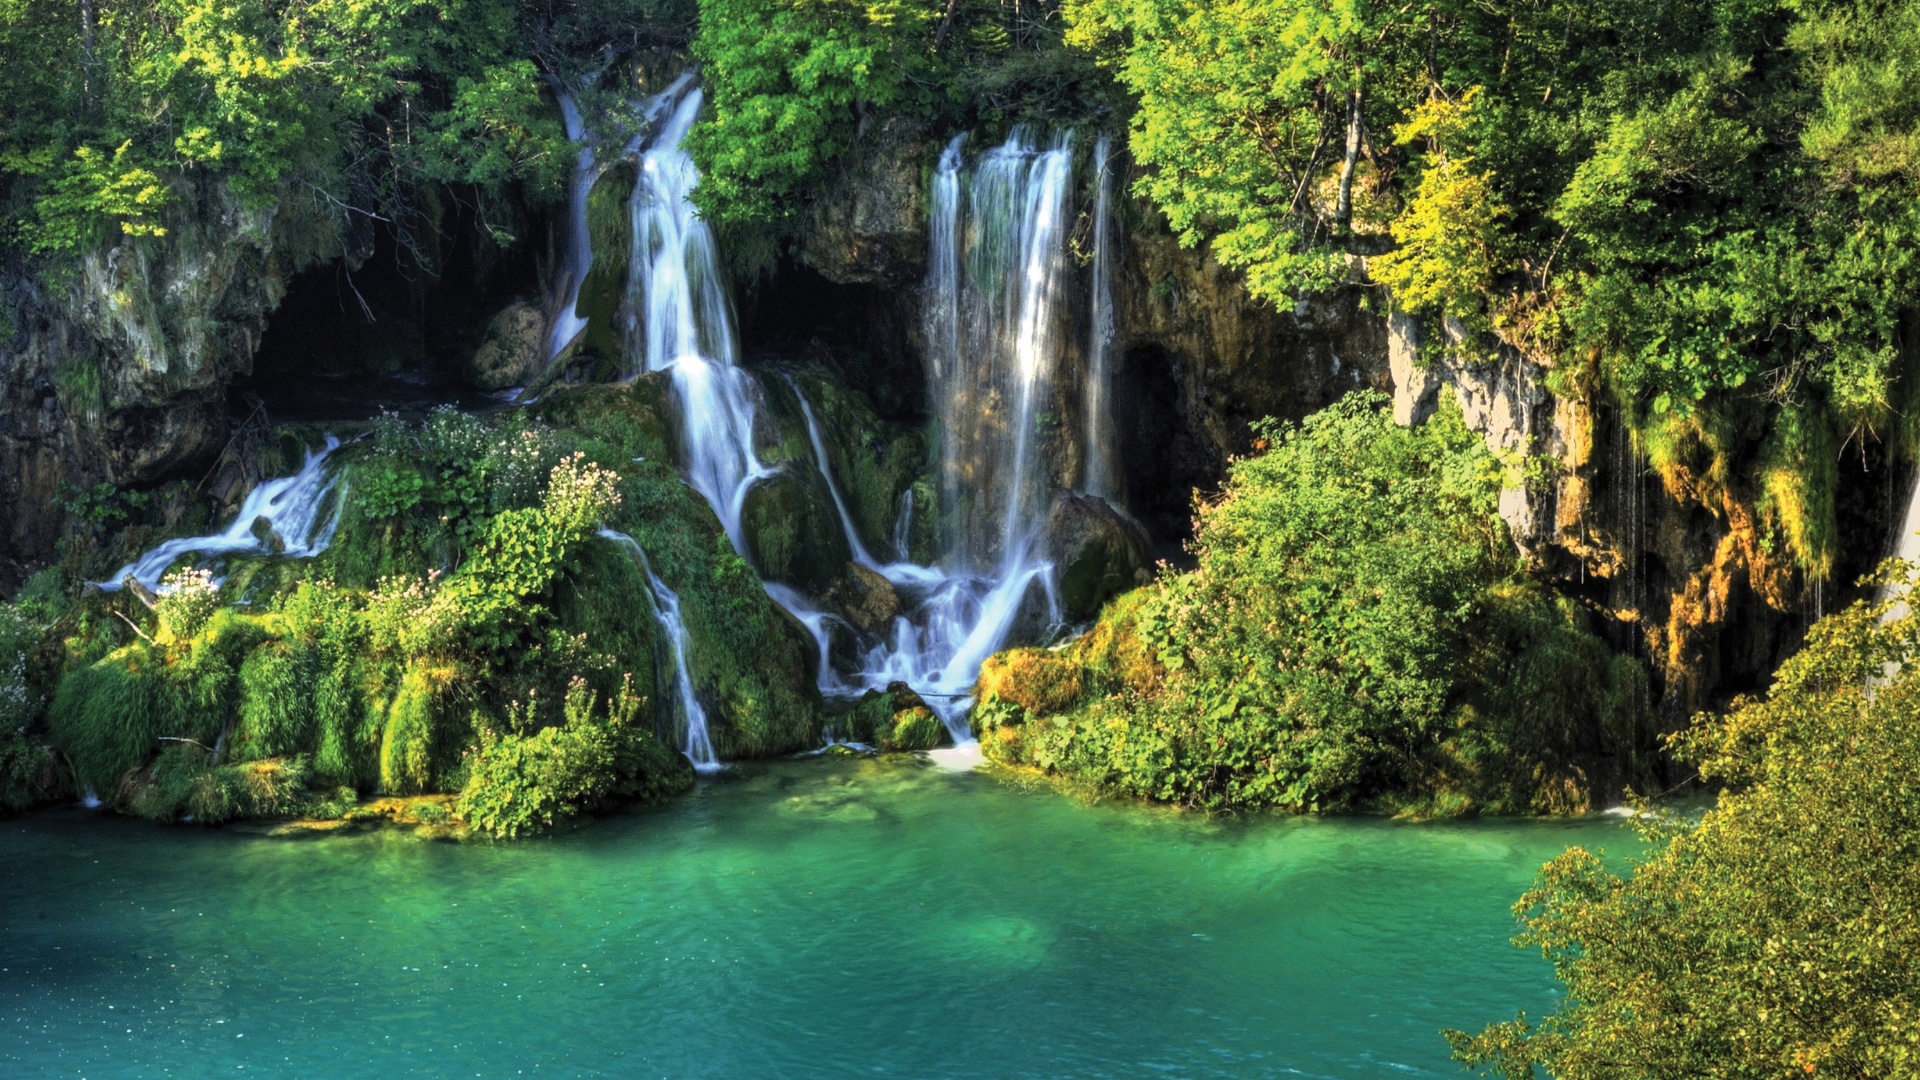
pixel 1776 936
pixel 1348 634
pixel 521 783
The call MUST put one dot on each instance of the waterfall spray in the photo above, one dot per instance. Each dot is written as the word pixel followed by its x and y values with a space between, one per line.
pixel 697 746
pixel 1100 473
pixel 292 506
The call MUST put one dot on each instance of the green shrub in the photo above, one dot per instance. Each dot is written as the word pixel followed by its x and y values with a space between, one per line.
pixel 106 717
pixel 276 704
pixel 1356 617
pixel 522 783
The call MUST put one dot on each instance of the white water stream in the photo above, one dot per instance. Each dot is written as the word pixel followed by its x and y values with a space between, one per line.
pixel 696 744
pixel 292 505
pixel 680 319
pixel 578 258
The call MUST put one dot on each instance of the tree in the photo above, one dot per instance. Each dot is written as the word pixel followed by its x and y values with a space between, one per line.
pixel 1778 935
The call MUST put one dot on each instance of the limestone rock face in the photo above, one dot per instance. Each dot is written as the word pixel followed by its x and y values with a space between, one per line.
pixel 510 351
pixel 870 228
pixel 1098 553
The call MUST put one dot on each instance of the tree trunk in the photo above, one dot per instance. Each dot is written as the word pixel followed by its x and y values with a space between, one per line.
pixel 1343 208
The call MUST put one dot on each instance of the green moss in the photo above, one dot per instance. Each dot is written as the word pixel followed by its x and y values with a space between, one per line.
pixel 107 717
pixel 276 704
pixel 611 237
pixel 407 747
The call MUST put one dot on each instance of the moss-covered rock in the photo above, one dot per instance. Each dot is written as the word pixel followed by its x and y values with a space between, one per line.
pixel 610 235
pixel 1098 553
pixel 792 531
pixel 511 348
pixel 895 719
pixel 864 598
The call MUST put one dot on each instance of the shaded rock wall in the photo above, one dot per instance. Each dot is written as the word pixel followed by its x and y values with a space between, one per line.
pixel 116 367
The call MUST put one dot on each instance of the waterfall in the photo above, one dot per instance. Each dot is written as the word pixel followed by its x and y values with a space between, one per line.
pixel 698 747
pixel 680 319
pixel 819 624
pixel 993 317
pixel 292 505
pixel 1100 474
pixel 995 285
pixel 578 259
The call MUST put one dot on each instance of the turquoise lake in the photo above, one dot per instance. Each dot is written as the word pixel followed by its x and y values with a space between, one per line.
pixel 813 918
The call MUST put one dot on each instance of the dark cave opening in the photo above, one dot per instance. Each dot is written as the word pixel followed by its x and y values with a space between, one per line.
pixel 1163 460
pixel 394 332
pixel 867 334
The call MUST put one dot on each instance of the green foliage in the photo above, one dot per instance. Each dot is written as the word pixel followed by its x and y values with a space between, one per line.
pixel 93 192
pixel 1776 936
pixel 522 783
pixel 1274 76
pixel 500 128
pixel 1693 207
pixel 1354 628
pixel 1449 235
pixel 786 77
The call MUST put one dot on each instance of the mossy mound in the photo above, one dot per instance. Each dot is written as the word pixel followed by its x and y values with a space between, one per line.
pixel 466 633
pixel 895 719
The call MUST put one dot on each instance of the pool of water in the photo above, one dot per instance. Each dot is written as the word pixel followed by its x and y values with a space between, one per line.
pixel 824 917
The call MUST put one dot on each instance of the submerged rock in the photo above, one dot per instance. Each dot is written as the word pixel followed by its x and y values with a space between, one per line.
pixel 510 350
pixel 1098 551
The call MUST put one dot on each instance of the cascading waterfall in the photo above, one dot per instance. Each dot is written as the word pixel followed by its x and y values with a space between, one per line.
pixel 680 319
pixel 698 746
pixel 292 505
pixel 1100 473
pixel 993 340
pixel 567 322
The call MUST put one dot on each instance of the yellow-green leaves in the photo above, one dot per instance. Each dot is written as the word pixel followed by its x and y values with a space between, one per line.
pixel 94 192
pixel 1450 233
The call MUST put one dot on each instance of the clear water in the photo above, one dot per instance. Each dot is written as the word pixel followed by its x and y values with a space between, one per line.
pixel 813 918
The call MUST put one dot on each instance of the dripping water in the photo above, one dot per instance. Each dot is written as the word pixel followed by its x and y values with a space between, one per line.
pixel 1100 478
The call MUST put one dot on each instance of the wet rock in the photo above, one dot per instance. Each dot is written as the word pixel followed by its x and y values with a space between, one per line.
pixel 865 599
pixel 870 228
pixel 510 350
pixel 1098 553
pixel 793 534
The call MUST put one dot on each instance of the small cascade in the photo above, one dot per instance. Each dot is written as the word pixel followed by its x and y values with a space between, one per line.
pixel 903 526
pixel 819 624
pixel 578 259
pixel 292 505
pixel 680 318
pixel 698 747
pixel 1101 473
pixel 860 553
